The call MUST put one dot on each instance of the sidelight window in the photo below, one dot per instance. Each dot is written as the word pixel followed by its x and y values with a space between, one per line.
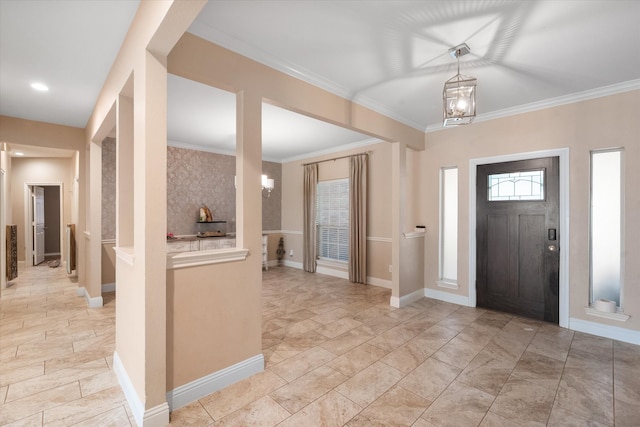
pixel 449 225
pixel 606 225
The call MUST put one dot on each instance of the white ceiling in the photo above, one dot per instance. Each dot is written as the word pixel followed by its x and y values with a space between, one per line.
pixel 68 45
pixel 203 117
pixel 391 56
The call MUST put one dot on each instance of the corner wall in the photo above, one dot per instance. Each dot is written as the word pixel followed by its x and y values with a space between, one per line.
pixel 27 132
pixel 196 178
pixel 379 209
pixel 601 123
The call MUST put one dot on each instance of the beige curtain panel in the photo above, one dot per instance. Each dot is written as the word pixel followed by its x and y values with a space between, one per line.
pixel 309 247
pixel 358 218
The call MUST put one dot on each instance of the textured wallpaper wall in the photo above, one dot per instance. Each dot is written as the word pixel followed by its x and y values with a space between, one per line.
pixel 108 189
pixel 197 178
pixel 194 178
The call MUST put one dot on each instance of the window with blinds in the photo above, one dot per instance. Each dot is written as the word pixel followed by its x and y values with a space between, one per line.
pixel 332 219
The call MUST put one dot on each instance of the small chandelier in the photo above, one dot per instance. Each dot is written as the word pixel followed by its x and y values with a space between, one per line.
pixel 267 184
pixel 459 94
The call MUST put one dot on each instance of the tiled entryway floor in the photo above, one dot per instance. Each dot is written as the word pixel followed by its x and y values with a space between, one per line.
pixel 336 354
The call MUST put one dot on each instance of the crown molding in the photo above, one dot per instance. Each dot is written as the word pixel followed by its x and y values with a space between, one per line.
pixel 333 150
pixel 211 149
pixel 197 147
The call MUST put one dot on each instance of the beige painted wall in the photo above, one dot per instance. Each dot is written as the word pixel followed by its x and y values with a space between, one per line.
pixel 108 262
pixel 214 317
pixel 39 134
pixel 379 213
pixel 589 125
pixel 204 62
pixel 38 170
pixel 141 296
pixel 5 210
pixel 27 132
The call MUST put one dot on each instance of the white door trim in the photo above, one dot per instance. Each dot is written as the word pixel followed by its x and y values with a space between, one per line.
pixel 563 154
pixel 3 254
pixel 28 218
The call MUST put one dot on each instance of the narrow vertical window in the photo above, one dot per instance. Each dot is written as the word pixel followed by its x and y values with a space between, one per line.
pixel 606 225
pixel 448 227
pixel 332 219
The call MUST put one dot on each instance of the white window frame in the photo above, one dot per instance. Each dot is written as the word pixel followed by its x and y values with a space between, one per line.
pixel 448 229
pixel 338 184
pixel 593 225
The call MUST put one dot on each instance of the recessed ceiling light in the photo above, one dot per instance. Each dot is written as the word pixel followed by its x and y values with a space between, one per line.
pixel 40 87
pixel 18 153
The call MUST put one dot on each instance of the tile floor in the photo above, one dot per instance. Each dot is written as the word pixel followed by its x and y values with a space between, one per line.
pixel 336 354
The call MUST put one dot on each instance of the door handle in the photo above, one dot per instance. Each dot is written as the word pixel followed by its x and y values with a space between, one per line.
pixel 553 248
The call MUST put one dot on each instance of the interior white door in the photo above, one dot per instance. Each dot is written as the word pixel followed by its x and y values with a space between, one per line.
pixel 38 225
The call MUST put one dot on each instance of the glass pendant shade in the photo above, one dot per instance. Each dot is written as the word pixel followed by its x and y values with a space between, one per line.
pixel 459 100
pixel 267 183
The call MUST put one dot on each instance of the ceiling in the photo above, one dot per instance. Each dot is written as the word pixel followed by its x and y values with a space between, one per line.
pixel 391 56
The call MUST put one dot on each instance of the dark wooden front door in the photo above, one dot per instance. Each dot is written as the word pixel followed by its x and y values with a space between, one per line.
pixel 517 237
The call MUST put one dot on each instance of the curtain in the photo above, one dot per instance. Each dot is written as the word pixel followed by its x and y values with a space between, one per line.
pixel 309 225
pixel 358 218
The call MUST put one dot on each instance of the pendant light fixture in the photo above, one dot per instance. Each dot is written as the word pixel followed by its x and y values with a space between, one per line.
pixel 459 94
pixel 267 184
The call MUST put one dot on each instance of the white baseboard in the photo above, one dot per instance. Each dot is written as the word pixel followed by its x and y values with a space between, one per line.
pixel 92 302
pixel 293 264
pixel 333 273
pixel 606 331
pixel 341 274
pixel 136 405
pixel 447 297
pixel 403 301
pixel 185 394
pixel 382 283
pixel 158 416
pixel 109 287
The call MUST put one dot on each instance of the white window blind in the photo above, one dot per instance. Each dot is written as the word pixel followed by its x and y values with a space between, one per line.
pixel 332 219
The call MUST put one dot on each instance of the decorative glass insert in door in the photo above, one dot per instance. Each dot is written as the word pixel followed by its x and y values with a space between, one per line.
pixel 524 185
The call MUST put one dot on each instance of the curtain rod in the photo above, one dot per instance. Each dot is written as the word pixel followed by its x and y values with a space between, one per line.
pixel 336 158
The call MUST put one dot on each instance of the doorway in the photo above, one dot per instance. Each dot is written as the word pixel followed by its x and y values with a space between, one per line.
pixel 563 238
pixel 517 231
pixel 44 214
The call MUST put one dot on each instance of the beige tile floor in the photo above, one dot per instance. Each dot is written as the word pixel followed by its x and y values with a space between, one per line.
pixel 336 354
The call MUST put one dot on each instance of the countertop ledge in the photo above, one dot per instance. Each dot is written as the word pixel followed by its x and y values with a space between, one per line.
pixel 206 257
